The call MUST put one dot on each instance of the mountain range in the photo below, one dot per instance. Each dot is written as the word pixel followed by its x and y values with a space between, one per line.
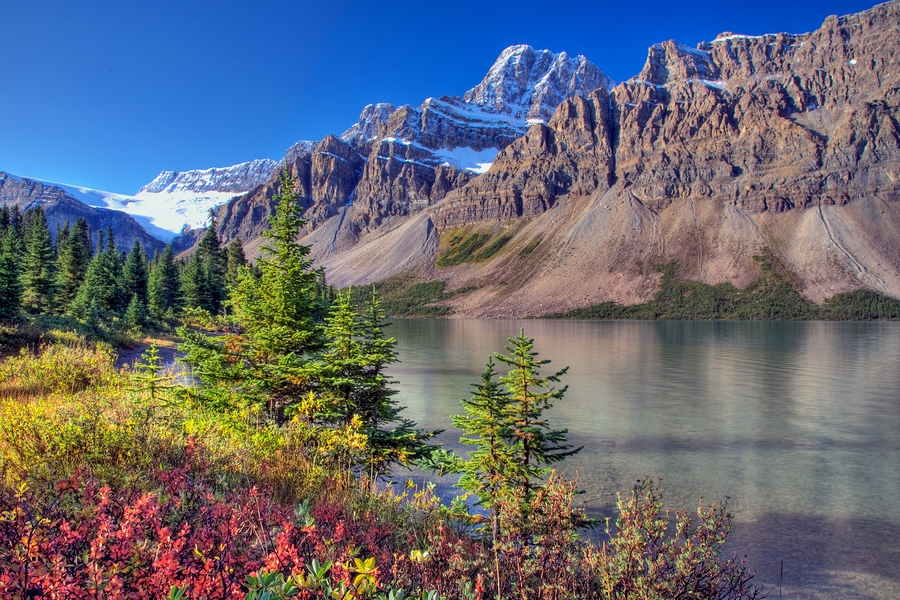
pixel 548 186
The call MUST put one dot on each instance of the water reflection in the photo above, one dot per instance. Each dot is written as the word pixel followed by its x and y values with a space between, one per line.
pixel 798 422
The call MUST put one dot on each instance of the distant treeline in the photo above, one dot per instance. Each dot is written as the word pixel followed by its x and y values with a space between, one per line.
pixel 92 281
pixel 771 297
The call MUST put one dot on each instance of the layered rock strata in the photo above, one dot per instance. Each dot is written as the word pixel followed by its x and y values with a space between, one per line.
pixel 768 123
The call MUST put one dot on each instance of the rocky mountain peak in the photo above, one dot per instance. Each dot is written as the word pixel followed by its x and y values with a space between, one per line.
pixel 303 147
pixel 372 121
pixel 235 179
pixel 529 84
pixel 671 61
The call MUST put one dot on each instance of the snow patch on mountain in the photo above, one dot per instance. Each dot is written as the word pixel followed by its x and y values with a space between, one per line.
pixel 175 211
pixel 521 89
pixel 110 200
pixel 529 84
pixel 237 178
pixel 173 201
pixel 476 161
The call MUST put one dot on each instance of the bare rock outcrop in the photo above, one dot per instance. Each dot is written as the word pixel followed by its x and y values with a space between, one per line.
pixel 783 144
pixel 572 154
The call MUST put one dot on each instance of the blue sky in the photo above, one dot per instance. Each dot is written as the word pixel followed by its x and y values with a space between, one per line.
pixel 107 94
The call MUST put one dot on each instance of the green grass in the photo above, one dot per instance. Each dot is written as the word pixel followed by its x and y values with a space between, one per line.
pixel 462 250
pixel 536 240
pixel 493 248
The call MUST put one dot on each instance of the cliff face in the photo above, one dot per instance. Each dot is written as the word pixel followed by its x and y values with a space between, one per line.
pixel 775 122
pixel 396 161
pixel 783 143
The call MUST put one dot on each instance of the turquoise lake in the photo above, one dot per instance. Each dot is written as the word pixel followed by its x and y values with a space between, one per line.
pixel 799 423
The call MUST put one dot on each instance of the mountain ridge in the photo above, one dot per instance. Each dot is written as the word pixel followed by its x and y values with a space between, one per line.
pixel 780 143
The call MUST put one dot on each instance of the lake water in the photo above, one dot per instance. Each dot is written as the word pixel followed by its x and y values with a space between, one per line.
pixel 799 423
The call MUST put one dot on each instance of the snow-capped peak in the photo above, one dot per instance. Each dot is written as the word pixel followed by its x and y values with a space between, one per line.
pixel 371 120
pixel 529 84
pixel 234 179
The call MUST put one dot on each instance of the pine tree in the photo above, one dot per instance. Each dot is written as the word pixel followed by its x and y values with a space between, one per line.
pixel 195 292
pixel 164 296
pixel 148 377
pixel 135 277
pixel 535 444
pixel 214 262
pixel 279 309
pixel 4 220
pixel 349 375
pixel 276 312
pixel 492 466
pixel 39 265
pixel 17 222
pixel 236 259
pixel 10 276
pixel 114 270
pixel 73 257
pixel 136 314
pixel 488 425
pixel 100 296
pixel 393 439
pixel 62 238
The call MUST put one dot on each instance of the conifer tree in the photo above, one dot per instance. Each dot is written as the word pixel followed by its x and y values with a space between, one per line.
pixel 195 292
pixel 10 276
pixel 4 220
pixel 393 439
pixel 535 444
pixel 100 296
pixel 236 259
pixel 17 222
pixel 136 314
pixel 349 376
pixel 62 238
pixel 279 309
pixel 74 255
pixel 114 268
pixel 164 285
pixel 214 262
pixel 277 314
pixel 488 426
pixel 39 265
pixel 135 277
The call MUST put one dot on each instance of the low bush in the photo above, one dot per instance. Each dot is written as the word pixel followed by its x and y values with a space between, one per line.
pixel 56 368
pixel 462 250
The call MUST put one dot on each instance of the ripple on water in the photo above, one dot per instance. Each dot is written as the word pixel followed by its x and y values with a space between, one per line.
pixel 798 422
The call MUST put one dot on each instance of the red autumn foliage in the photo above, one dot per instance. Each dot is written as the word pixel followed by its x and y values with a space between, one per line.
pixel 80 539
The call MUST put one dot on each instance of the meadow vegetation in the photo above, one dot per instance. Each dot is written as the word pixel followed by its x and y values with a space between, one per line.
pixel 771 297
pixel 264 471
pixel 472 247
